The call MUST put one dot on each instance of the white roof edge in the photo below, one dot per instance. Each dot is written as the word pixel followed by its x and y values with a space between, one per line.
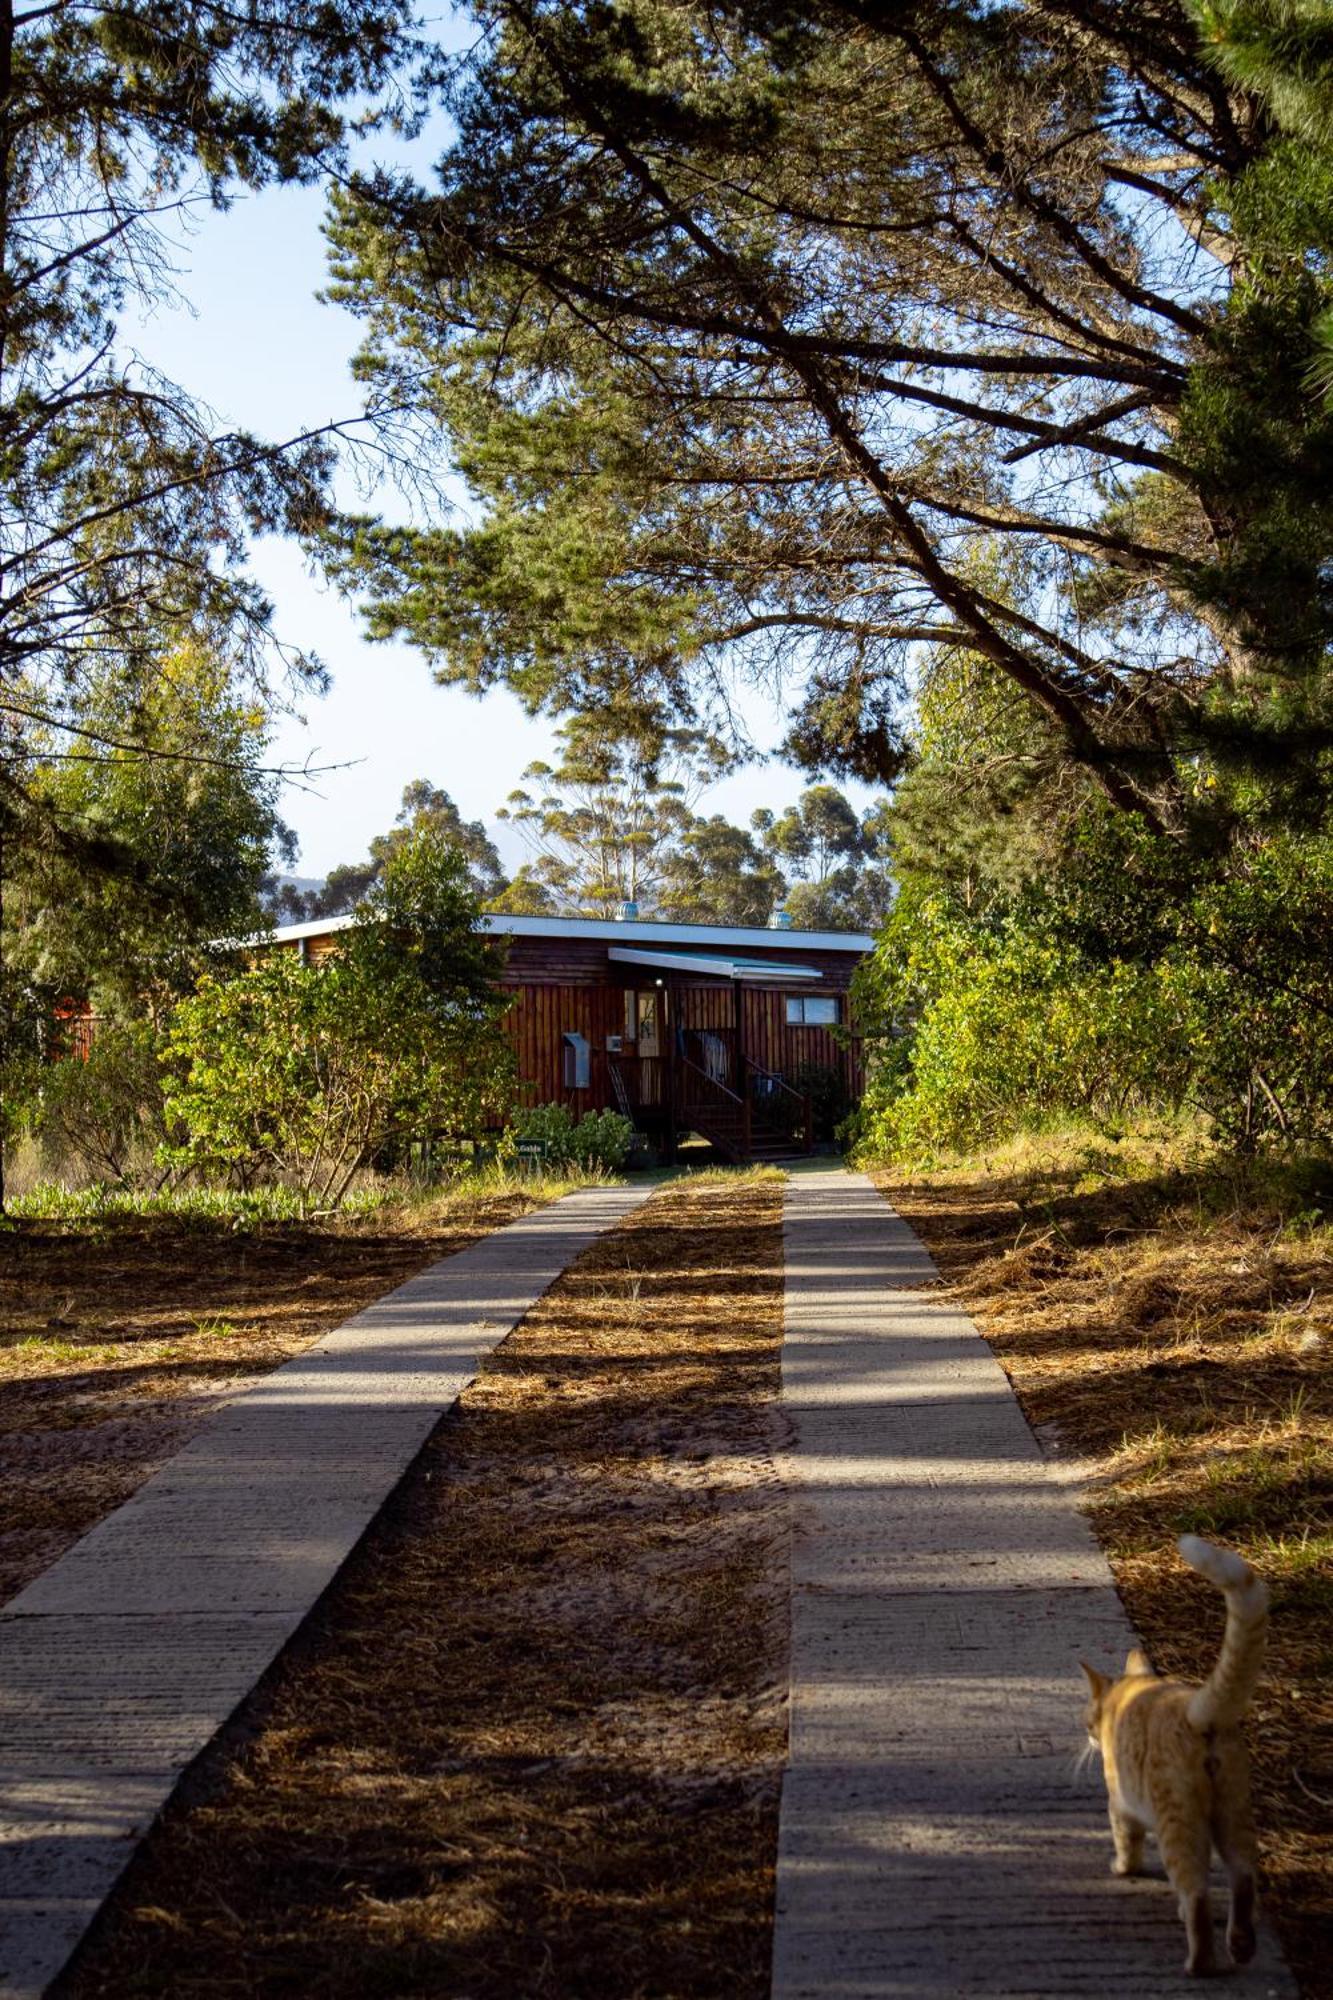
pixel 291 933
pixel 757 972
pixel 611 931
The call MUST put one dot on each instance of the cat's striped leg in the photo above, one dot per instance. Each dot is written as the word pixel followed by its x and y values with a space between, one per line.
pixel 1186 1849
pixel 1233 1833
pixel 1127 1834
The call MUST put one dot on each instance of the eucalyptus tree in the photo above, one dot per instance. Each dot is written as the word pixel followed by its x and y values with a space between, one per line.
pixel 754 327
pixel 604 823
pixel 141 851
pixel 125 507
pixel 717 873
pixel 425 809
pixel 836 864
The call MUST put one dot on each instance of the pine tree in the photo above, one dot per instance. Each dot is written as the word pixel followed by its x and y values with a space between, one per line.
pixel 748 329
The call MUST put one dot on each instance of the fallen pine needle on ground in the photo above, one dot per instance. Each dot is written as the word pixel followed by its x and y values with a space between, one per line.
pixel 532 1742
pixel 1171 1333
pixel 120 1334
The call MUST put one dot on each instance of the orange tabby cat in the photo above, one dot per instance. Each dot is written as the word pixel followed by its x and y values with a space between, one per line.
pixel 1175 1763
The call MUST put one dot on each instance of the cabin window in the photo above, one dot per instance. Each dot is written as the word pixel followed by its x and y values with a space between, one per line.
pixel 576 1062
pixel 812 1010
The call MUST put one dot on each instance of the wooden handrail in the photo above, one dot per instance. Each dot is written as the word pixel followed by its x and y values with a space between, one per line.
pixel 699 1092
pixel 801 1098
pixel 712 1088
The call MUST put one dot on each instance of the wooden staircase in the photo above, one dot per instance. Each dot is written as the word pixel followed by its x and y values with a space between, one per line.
pixel 771 1121
pixel 705 1106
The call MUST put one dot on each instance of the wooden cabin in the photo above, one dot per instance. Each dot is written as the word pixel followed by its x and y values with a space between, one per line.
pixel 685 1028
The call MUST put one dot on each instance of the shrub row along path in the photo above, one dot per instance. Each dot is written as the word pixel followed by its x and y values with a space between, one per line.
pixel 120 1663
pixel 934 1838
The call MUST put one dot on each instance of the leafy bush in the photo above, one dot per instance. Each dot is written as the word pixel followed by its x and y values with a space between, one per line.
pixel 310 1073
pixel 1237 944
pixel 830 1099
pixel 980 1030
pixel 598 1139
pixel 1142 980
pixel 104 1113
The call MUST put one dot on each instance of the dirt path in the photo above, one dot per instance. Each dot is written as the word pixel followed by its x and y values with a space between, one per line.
pixel 118 1338
pixel 532 1743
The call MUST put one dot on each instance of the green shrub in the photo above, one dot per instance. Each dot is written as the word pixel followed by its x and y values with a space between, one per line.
pixel 598 1139
pixel 830 1099
pixel 1237 944
pixel 979 1031
pixel 1140 981
pixel 104 1115
pixel 308 1074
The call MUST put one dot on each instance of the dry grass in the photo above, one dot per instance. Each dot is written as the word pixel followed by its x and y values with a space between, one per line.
pixel 117 1337
pixel 532 1744
pixel 1172 1331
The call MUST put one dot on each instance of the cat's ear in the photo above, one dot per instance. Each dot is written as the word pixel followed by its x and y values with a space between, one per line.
pixel 1138 1665
pixel 1097 1683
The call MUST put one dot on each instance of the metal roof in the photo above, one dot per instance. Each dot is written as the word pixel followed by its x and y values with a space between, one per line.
pixel 611 930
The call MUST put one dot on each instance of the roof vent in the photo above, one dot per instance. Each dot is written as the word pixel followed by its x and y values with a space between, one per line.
pixel 629 913
pixel 781 919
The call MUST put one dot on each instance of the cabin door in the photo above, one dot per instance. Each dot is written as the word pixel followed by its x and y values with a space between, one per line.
pixel 650 1026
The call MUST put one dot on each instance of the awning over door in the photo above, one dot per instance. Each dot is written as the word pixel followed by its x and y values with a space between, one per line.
pixel 759 971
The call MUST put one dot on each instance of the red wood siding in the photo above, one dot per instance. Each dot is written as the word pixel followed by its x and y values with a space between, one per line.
pixel 587 962
pixel 540 1016
pixel 566 985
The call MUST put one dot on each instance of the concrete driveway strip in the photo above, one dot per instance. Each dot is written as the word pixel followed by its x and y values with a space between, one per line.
pixel 935 1838
pixel 121 1662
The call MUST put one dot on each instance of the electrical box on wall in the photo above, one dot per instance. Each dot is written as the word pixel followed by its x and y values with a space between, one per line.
pixel 614 1044
pixel 576 1067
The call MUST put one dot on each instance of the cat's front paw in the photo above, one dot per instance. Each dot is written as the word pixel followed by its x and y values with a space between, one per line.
pixel 1122 1868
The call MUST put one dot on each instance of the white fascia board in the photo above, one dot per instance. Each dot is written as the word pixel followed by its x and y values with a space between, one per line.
pixel 293 933
pixel 610 931
pixel 749 971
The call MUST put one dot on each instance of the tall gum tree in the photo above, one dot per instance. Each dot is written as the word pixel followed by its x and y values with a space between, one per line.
pixel 752 327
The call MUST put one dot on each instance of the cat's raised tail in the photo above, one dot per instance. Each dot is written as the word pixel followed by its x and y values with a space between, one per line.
pixel 1225 1695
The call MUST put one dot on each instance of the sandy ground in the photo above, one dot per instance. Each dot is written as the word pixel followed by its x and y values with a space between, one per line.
pixel 118 1337
pixel 531 1743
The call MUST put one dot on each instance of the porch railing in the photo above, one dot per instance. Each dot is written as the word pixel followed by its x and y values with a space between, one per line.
pixel 709 1108
pixel 764 1107
pixel 778 1108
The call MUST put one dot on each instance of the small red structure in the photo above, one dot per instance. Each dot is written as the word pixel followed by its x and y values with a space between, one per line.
pixel 712 1029
pixel 74 1030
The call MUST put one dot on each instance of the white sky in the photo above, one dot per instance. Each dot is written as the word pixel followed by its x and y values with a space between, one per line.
pixel 265 354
